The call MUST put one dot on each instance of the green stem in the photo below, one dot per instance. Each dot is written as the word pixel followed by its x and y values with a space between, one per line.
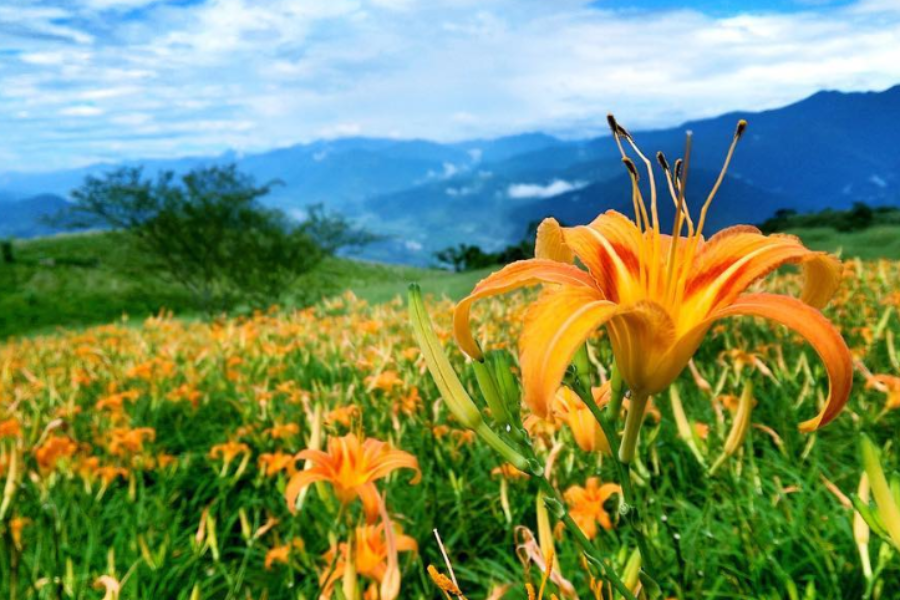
pixel 629 509
pixel 632 427
pixel 617 391
pixel 587 548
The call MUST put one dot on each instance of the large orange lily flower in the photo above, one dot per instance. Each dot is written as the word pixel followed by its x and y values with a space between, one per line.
pixel 657 294
pixel 352 467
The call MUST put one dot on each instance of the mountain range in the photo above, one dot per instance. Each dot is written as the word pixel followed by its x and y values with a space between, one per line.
pixel 828 150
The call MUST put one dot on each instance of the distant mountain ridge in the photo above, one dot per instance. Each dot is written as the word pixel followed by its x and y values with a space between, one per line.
pixel 828 150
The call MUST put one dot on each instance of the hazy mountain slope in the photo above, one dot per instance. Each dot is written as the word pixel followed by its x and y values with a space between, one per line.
pixel 831 149
pixel 26 217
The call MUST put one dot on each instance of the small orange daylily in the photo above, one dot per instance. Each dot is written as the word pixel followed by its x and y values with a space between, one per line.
pixel 586 505
pixel 272 463
pixel 371 553
pixel 10 428
pixel 54 449
pixel 228 451
pixel 281 554
pixel 658 295
pixel 352 467
pixel 886 384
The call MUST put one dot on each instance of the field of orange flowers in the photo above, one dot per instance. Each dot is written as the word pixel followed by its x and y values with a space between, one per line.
pixel 307 454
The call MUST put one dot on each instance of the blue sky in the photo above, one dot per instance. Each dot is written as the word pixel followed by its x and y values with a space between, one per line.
pixel 105 80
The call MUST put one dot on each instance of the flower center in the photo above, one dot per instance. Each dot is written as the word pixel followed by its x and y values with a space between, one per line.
pixel 666 261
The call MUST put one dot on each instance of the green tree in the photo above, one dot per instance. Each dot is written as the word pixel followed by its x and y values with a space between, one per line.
pixel 207 231
pixel 332 232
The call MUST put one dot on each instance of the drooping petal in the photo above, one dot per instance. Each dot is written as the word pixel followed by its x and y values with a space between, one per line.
pixel 390 579
pixel 518 274
pixel 818 331
pixel 610 248
pixel 735 258
pixel 316 457
pixel 298 482
pixel 389 460
pixel 555 327
pixel 371 500
pixel 406 543
pixel 607 490
pixel 550 243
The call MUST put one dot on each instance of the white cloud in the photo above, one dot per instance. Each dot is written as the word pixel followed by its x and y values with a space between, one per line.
pixel 82 110
pixel 339 130
pixel 257 75
pixel 556 187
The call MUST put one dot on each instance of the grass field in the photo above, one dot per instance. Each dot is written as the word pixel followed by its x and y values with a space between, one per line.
pixel 159 458
pixel 870 244
pixel 87 279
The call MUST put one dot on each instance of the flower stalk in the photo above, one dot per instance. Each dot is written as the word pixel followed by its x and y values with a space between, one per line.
pixel 888 509
pixel 739 428
pixel 452 391
pixel 629 508
pixel 633 422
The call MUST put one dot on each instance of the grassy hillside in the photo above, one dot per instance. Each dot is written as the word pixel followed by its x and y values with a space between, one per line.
pixel 872 243
pixel 85 279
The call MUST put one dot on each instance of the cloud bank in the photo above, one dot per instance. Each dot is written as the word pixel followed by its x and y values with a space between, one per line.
pixel 519 191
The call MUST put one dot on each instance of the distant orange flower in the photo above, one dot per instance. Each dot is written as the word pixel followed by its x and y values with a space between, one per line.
pixel 54 449
pixel 342 415
pixel 586 505
pixel 16 526
pixel 108 473
pixel 272 463
pixel 281 554
pixel 370 552
pixel 887 384
pixel 702 430
pixel 351 466
pixel 384 381
pixel 10 428
pixel 125 441
pixel 228 451
pixel 409 403
pixel 185 392
pixel 507 471
pixel 280 432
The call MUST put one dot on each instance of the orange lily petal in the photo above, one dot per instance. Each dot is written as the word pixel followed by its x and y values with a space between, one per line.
pixel 550 243
pixel 389 460
pixel 518 274
pixel 371 500
pixel 610 249
pixel 736 257
pixel 640 335
pixel 298 481
pixel 555 327
pixel 818 331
